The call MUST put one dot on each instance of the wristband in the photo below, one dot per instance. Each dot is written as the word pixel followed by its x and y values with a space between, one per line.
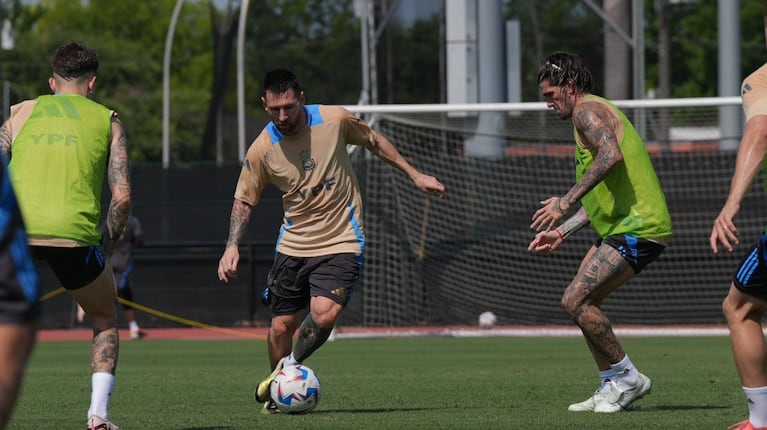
pixel 561 236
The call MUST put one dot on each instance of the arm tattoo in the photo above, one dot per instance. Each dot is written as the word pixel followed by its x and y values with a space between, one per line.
pixel 118 174
pixel 596 124
pixel 5 140
pixel 238 221
pixel 574 223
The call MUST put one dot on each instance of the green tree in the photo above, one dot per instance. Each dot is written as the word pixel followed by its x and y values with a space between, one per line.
pixel 129 37
pixel 556 25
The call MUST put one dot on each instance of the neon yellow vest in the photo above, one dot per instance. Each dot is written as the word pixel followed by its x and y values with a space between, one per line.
pixel 57 166
pixel 629 200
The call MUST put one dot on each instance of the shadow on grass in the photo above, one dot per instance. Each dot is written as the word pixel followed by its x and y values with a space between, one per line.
pixel 370 411
pixel 208 428
pixel 677 408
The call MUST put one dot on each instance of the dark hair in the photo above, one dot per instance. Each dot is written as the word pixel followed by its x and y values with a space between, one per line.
pixel 279 81
pixel 74 60
pixel 560 68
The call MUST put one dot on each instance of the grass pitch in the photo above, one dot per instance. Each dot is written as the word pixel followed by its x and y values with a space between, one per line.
pixel 414 383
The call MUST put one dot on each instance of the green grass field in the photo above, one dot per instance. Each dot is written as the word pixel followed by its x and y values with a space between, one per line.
pixel 414 383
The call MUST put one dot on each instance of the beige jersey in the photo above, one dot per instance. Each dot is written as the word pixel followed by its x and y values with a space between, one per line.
pixel 753 90
pixel 321 197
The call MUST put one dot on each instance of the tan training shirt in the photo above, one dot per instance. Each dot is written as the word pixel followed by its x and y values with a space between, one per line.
pixel 753 90
pixel 321 197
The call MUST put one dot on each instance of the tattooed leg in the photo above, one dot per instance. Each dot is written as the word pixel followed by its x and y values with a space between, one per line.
pixel 316 327
pixel 603 270
pixel 98 301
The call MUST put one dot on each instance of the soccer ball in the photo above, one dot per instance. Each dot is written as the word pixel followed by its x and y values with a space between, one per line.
pixel 296 389
pixel 487 319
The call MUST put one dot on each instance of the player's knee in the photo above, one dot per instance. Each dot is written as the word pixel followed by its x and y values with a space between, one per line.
pixel 737 310
pixel 326 318
pixel 728 308
pixel 279 328
pixel 572 307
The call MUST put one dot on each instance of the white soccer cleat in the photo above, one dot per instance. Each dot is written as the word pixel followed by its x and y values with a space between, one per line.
pixel 95 422
pixel 589 404
pixel 616 400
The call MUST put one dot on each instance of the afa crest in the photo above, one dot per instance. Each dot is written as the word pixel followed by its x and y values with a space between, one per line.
pixel 307 162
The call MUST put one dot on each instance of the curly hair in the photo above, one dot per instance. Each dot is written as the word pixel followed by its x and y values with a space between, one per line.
pixel 74 60
pixel 560 68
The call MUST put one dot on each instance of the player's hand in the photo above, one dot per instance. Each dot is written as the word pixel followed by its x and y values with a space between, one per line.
pixel 724 230
pixel 545 242
pixel 430 184
pixel 227 266
pixel 553 209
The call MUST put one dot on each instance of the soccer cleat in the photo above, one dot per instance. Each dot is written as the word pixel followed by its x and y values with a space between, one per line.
pixel 261 392
pixel 589 404
pixel 745 425
pixel 95 422
pixel 616 400
pixel 270 408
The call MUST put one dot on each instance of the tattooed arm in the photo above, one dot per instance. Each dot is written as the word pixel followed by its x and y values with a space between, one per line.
pixel 238 221
pixel 227 266
pixel 5 140
pixel 597 125
pixel 118 174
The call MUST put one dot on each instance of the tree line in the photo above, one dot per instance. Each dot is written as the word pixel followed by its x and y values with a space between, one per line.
pixel 320 40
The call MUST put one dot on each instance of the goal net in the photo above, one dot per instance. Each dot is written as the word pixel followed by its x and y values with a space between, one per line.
pixel 431 262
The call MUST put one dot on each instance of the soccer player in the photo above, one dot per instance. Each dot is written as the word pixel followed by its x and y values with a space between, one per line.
pixel 622 199
pixel 60 148
pixel 19 298
pixel 319 248
pixel 746 302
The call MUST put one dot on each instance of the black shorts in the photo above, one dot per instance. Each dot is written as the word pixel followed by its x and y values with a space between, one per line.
pixel 73 267
pixel 19 287
pixel 636 251
pixel 292 281
pixel 751 276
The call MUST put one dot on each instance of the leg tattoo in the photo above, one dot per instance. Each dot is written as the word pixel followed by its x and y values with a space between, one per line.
pixel 310 337
pixel 104 350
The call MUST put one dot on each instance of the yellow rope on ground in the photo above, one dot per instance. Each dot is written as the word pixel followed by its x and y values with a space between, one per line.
pixel 52 294
pixel 188 322
pixel 166 316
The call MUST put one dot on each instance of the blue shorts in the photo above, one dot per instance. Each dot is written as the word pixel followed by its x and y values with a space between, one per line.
pixel 292 281
pixel 636 251
pixel 751 276
pixel 73 267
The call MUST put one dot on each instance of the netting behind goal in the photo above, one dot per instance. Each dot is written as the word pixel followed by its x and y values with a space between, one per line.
pixel 431 261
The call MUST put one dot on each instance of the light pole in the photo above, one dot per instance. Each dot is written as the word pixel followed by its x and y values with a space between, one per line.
pixel 241 81
pixel 166 85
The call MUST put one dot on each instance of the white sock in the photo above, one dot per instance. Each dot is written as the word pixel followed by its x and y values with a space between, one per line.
pixel 757 405
pixel 101 389
pixel 133 326
pixel 605 376
pixel 626 375
pixel 289 361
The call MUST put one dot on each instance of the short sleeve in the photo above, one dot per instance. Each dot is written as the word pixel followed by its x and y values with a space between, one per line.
pixel 253 177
